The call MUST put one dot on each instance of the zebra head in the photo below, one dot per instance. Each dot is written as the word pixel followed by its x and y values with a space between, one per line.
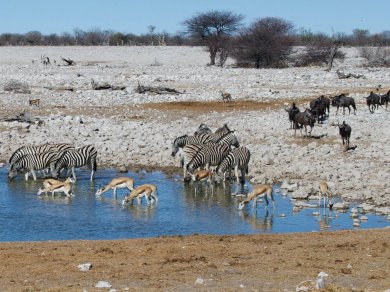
pixel 179 142
pixel 11 174
pixel 14 169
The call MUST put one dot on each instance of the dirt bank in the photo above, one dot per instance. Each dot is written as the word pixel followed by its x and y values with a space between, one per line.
pixel 352 259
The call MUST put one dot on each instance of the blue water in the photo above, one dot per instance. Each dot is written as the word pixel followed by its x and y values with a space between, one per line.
pixel 24 216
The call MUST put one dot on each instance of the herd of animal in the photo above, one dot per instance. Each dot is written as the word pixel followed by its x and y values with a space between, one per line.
pixel 319 109
pixel 204 156
pixel 53 158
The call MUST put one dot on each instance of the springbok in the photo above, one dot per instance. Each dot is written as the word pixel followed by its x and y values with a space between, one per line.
pixel 148 191
pixel 65 187
pixel 35 102
pixel 203 175
pixel 258 191
pixel 51 181
pixel 324 190
pixel 120 182
pixel 226 96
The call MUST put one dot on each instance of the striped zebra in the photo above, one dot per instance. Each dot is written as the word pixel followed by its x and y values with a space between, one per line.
pixel 238 159
pixel 227 138
pixel 31 150
pixel 182 141
pixel 75 159
pixel 31 163
pixel 209 155
pixel 203 129
pixel 223 129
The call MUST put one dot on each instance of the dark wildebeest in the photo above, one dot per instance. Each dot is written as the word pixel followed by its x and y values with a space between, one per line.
pixel 385 98
pixel 321 99
pixel 344 101
pixel 373 101
pixel 203 129
pixel 305 119
pixel 345 133
pixel 292 111
pixel 319 111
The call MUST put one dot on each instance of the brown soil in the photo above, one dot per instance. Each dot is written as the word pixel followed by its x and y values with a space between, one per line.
pixel 352 259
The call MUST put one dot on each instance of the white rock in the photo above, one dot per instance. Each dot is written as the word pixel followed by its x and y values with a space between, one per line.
pixel 199 281
pixel 85 267
pixel 103 284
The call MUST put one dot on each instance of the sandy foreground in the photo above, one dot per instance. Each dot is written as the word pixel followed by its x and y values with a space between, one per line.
pixel 354 260
pixel 133 129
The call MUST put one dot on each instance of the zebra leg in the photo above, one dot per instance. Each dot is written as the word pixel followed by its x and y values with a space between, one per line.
pixel 236 174
pixel 33 174
pixel 26 175
pixel 73 173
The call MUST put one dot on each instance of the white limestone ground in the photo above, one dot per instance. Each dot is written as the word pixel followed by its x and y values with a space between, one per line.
pixel 124 133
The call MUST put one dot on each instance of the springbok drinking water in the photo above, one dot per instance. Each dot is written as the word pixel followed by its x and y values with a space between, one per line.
pixel 120 182
pixel 61 187
pixel 258 191
pixel 148 191
pixel 324 190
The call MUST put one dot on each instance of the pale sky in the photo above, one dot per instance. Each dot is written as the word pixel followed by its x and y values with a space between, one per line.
pixel 58 16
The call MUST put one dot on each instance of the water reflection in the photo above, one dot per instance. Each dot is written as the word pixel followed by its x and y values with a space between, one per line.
pixel 183 208
pixel 261 221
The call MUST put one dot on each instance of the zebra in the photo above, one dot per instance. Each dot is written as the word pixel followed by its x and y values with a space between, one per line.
pixel 227 138
pixel 223 129
pixel 31 150
pixel 33 162
pixel 76 158
pixel 182 141
pixel 202 129
pixel 209 155
pixel 238 159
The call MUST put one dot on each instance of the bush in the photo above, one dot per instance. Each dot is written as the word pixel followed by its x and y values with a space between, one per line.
pixel 16 87
pixel 376 57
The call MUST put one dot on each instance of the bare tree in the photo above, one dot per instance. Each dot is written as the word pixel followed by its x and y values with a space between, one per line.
pixel 213 29
pixel 151 29
pixel 265 43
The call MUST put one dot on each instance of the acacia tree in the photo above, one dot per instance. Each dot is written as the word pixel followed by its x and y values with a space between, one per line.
pixel 265 43
pixel 214 30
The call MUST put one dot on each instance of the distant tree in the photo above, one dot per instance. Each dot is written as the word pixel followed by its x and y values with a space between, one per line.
pixel 265 43
pixel 5 39
pixel 360 37
pixel 33 38
pixel 151 29
pixel 214 29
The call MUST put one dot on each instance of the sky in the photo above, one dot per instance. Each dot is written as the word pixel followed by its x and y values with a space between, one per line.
pixel 128 16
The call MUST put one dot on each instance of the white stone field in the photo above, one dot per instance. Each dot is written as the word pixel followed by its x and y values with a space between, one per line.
pixel 129 129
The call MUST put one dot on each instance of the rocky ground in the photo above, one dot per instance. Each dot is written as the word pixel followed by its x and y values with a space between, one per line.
pixel 130 129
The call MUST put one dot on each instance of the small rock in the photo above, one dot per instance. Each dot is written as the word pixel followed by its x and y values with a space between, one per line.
pixel 122 169
pixel 364 218
pixel 85 267
pixel 199 281
pixel 103 284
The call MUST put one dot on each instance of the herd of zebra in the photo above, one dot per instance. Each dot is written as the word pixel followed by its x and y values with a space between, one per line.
pixel 205 149
pixel 51 158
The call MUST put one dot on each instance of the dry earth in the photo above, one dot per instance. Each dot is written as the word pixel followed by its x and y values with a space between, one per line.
pixel 354 261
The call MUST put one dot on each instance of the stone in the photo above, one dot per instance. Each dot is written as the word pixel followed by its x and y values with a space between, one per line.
pixel 85 267
pixel 199 281
pixel 103 284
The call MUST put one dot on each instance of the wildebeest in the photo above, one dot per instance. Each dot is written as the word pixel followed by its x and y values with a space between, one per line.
pixel 305 119
pixel 373 101
pixel 385 98
pixel 321 99
pixel 292 111
pixel 345 133
pixel 319 110
pixel 344 101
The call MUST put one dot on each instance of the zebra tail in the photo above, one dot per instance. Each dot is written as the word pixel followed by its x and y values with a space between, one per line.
pixel 94 165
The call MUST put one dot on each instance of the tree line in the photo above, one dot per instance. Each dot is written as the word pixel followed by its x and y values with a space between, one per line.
pixel 267 42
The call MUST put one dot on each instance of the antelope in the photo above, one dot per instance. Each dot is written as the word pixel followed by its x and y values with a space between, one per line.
pixel 51 181
pixel 65 187
pixel 226 96
pixel 258 190
pixel 120 182
pixel 324 190
pixel 203 175
pixel 35 102
pixel 148 191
